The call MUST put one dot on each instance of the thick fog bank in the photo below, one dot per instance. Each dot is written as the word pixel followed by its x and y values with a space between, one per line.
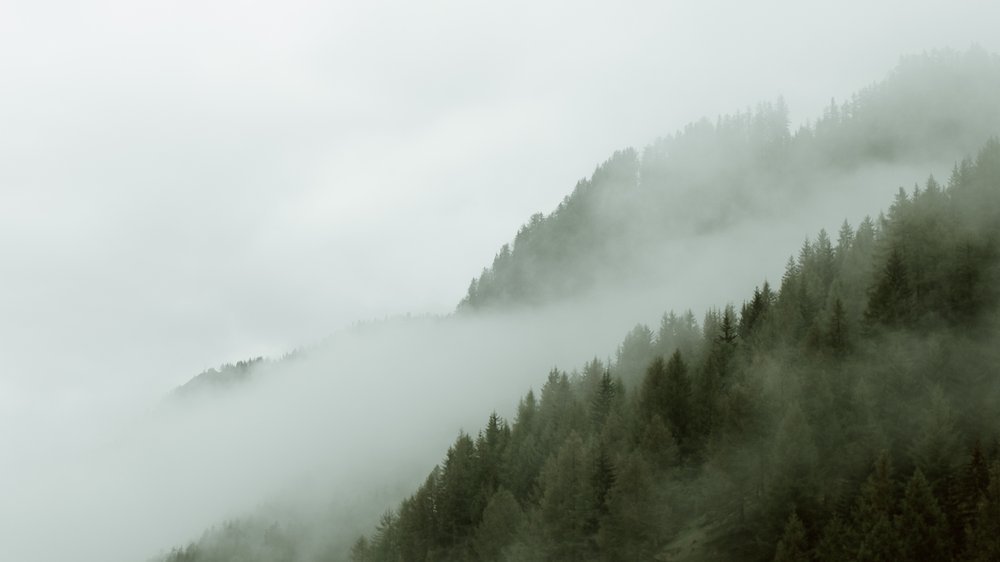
pixel 360 418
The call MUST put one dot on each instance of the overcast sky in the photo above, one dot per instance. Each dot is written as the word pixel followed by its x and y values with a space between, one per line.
pixel 186 183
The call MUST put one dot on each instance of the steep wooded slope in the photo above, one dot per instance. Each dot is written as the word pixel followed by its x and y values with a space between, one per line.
pixel 711 176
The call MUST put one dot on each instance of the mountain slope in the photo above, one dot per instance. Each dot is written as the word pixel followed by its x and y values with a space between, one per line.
pixel 842 416
pixel 610 231
pixel 867 333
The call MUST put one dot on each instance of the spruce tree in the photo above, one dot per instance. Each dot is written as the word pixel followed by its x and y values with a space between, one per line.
pixel 921 526
pixel 793 546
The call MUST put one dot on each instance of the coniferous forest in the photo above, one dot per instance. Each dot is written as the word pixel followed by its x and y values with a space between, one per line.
pixel 847 414
pixel 846 411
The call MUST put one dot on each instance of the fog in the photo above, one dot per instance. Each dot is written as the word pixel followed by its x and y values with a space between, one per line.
pixel 350 424
pixel 182 186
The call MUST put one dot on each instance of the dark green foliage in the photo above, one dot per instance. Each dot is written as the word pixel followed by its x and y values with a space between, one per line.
pixel 837 334
pixel 891 302
pixel 602 480
pixel 793 546
pixel 502 519
pixel 657 443
pixel 567 503
pixel 458 500
pixel 666 392
pixel 875 512
pixel 923 531
pixel 984 530
pixel 936 449
pixel 604 400
pixel 636 516
pixel 795 459
pixel 836 543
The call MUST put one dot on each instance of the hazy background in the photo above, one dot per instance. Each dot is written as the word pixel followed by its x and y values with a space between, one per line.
pixel 187 183
pixel 183 184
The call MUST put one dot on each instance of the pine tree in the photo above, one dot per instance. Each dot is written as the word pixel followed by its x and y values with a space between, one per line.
pixel 490 447
pixel 921 526
pixel 973 484
pixel 837 331
pixel 502 519
pixel 936 449
pixel 845 239
pixel 567 501
pixel 796 458
pixel 658 444
pixel 983 542
pixel 835 544
pixel 361 551
pixel 637 517
pixel 793 546
pixel 677 396
pixel 891 302
pixel 602 479
pixel 727 329
pixel 603 401
pixel 875 512
pixel 635 352
pixel 458 492
pixel 385 544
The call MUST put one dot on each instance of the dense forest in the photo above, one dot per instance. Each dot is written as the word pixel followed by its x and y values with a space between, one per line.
pixel 935 107
pixel 844 411
pixel 848 414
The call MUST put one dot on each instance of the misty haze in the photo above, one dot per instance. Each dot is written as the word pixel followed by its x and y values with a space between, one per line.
pixel 317 282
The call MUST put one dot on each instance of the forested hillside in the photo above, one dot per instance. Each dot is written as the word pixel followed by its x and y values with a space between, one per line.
pixel 849 413
pixel 847 410
pixel 711 175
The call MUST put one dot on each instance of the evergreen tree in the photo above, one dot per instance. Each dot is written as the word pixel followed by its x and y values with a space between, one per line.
pixel 658 444
pixel 604 400
pixel 793 546
pixel 567 501
pixel 361 551
pixel 984 533
pixel 936 449
pixel 922 529
pixel 636 518
pixel 875 512
pixel 890 303
pixel 602 480
pixel 502 520
pixel 458 492
pixel 835 544
pixel 837 332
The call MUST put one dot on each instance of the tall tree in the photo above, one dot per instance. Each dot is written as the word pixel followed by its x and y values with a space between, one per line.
pixel 922 529
pixel 793 546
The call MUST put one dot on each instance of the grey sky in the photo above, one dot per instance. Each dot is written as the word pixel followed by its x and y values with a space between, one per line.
pixel 183 184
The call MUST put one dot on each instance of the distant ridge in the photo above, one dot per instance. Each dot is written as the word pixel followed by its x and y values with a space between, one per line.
pixel 938 106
